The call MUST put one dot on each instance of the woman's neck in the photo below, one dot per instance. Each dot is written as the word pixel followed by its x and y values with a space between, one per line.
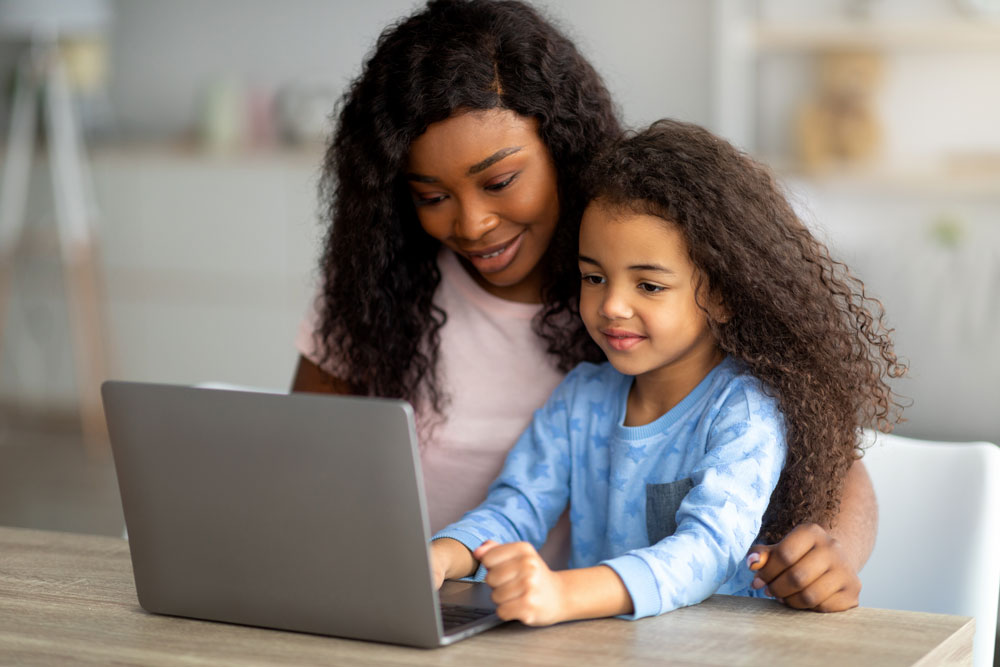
pixel 655 393
pixel 528 290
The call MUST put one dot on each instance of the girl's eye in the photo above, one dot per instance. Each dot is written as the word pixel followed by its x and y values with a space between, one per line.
pixel 493 187
pixel 592 279
pixel 650 288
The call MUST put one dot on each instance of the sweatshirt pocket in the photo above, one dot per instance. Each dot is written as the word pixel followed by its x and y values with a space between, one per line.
pixel 662 502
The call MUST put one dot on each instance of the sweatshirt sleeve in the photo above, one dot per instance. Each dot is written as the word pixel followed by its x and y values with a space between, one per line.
pixel 526 500
pixel 720 516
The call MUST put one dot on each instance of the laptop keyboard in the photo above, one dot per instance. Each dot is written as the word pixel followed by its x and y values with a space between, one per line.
pixel 455 616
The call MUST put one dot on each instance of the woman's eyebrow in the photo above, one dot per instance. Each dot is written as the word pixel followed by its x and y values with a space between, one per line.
pixel 493 159
pixel 421 179
pixel 474 169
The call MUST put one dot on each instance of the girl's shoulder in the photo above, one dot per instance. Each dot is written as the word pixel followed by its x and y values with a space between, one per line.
pixel 740 395
pixel 587 372
pixel 591 382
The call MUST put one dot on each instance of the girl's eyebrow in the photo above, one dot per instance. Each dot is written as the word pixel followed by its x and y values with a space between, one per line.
pixel 474 169
pixel 634 267
pixel 651 267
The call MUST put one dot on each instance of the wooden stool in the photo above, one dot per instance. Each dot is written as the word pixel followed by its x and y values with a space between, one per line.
pixel 42 67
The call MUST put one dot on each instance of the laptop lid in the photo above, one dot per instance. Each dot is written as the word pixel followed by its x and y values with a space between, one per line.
pixel 301 512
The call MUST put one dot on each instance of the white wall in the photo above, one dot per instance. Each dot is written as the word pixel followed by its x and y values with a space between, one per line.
pixel 653 54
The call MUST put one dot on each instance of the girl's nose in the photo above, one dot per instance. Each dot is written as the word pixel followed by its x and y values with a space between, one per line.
pixel 473 222
pixel 615 306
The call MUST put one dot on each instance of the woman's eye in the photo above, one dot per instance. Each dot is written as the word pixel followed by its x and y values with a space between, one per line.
pixel 650 288
pixel 501 184
pixel 426 200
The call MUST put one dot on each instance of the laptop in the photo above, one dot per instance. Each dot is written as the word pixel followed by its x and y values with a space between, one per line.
pixel 301 512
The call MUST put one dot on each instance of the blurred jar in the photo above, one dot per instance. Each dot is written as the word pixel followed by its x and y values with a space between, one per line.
pixel 222 123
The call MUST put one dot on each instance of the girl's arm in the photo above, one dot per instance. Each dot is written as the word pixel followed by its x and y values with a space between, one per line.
pixel 816 567
pixel 526 500
pixel 526 590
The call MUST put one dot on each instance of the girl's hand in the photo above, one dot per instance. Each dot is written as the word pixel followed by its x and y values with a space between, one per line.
pixel 808 569
pixel 524 588
pixel 450 560
pixel 439 564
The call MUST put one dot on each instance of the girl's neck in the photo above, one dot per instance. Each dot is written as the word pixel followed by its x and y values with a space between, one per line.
pixel 655 393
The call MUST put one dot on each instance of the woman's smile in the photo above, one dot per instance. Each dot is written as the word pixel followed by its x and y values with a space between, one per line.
pixel 496 258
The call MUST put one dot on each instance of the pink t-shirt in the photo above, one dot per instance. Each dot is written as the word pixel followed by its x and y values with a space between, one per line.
pixel 496 373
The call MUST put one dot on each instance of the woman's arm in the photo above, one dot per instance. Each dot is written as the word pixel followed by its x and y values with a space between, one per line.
pixel 311 378
pixel 857 524
pixel 816 567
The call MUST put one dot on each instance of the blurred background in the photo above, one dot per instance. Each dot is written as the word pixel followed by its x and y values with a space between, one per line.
pixel 176 242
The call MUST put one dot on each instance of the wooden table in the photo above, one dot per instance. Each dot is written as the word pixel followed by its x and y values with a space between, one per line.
pixel 70 599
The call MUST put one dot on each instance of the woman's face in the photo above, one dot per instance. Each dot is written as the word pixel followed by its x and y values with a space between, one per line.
pixel 484 184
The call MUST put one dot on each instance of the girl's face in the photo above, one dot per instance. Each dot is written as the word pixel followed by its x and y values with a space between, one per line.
pixel 637 296
pixel 484 184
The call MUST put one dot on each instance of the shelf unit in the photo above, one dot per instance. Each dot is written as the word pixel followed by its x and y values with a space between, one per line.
pixel 950 35
pixel 744 41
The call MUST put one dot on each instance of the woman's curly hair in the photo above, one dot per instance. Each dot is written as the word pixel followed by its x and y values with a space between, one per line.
pixel 798 320
pixel 378 324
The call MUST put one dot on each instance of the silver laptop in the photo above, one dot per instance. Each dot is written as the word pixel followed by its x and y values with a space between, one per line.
pixel 301 512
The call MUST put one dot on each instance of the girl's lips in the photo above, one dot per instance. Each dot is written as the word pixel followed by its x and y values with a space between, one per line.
pixel 497 258
pixel 621 340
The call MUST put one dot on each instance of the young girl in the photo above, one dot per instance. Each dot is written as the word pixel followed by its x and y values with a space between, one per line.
pixel 735 347
pixel 453 198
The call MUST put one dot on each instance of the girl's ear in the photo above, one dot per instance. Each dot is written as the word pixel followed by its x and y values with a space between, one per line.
pixel 715 306
pixel 718 310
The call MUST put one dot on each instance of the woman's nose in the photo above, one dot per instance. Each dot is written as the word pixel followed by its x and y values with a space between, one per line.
pixel 475 222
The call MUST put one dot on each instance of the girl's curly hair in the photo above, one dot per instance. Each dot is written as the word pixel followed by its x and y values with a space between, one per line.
pixel 797 319
pixel 379 324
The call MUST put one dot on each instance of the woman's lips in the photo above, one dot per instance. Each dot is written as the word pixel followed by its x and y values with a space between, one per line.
pixel 496 258
pixel 621 340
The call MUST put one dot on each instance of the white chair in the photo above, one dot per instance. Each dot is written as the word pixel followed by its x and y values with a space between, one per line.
pixel 938 547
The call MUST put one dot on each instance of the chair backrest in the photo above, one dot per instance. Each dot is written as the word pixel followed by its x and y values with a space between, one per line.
pixel 938 547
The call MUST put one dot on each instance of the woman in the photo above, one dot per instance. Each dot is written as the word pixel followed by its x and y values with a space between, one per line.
pixel 453 193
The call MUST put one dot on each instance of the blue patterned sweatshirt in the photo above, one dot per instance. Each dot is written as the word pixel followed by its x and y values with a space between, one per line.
pixel 672 506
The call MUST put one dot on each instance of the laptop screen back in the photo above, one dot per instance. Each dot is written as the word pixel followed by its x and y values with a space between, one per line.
pixel 302 512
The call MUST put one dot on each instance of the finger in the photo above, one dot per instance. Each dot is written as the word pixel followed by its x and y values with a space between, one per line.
pixel 816 593
pixel 802 574
pixel 511 611
pixel 790 550
pixel 519 609
pixel 509 592
pixel 499 553
pixel 757 558
pixel 484 549
pixel 506 571
pixel 841 601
